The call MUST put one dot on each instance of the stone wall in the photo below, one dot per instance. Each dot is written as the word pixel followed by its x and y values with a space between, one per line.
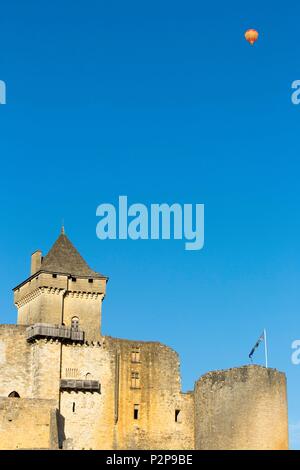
pixel 15 362
pixel 140 404
pixel 89 416
pixel 28 424
pixel 45 369
pixel 40 299
pixel 30 369
pixel 86 306
pixel 56 300
pixel 241 408
pixel 154 394
pixel 106 420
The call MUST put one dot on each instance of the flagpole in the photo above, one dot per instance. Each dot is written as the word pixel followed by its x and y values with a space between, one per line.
pixel 266 348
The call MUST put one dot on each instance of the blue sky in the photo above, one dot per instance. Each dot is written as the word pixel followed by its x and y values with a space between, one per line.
pixel 163 102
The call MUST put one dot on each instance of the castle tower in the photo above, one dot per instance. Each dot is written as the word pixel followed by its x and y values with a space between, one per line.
pixel 62 290
pixel 243 408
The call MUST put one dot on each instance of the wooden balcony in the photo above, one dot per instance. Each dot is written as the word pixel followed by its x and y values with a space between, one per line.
pixel 60 332
pixel 79 385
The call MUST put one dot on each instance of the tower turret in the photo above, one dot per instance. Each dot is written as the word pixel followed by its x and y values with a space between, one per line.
pixel 62 290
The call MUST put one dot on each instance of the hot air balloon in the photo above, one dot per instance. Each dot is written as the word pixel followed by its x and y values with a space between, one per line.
pixel 251 36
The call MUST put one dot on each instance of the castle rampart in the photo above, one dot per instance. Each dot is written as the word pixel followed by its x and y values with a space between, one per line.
pixel 71 387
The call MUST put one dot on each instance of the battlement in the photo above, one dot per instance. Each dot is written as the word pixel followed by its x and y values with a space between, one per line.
pixel 64 384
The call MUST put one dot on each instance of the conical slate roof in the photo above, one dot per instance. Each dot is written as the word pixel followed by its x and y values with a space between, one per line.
pixel 64 258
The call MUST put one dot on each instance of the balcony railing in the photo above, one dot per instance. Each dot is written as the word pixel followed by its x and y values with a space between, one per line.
pixel 80 385
pixel 61 332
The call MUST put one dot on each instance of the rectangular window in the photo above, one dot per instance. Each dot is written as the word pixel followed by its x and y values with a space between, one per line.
pixel 73 279
pixel 136 411
pixel 135 380
pixel 135 354
pixel 54 276
pixel 91 281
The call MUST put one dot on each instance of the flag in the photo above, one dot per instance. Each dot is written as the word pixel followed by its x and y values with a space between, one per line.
pixel 260 339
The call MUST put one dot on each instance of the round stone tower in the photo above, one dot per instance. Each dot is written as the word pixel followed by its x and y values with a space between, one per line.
pixel 241 408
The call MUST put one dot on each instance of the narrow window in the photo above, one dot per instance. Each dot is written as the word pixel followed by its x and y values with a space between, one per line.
pixel 135 380
pixel 73 407
pixel 136 410
pixel 75 323
pixel 177 416
pixel 135 354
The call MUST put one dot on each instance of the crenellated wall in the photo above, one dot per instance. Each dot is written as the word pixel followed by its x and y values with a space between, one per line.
pixel 104 419
pixel 57 298
pixel 40 299
pixel 139 404
pixel 99 392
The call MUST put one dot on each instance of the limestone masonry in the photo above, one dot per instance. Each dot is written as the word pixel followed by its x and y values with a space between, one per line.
pixel 64 385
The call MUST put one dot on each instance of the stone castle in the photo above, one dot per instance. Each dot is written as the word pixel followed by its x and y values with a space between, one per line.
pixel 65 386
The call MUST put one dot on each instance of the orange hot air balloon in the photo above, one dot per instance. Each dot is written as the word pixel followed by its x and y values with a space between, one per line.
pixel 251 36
